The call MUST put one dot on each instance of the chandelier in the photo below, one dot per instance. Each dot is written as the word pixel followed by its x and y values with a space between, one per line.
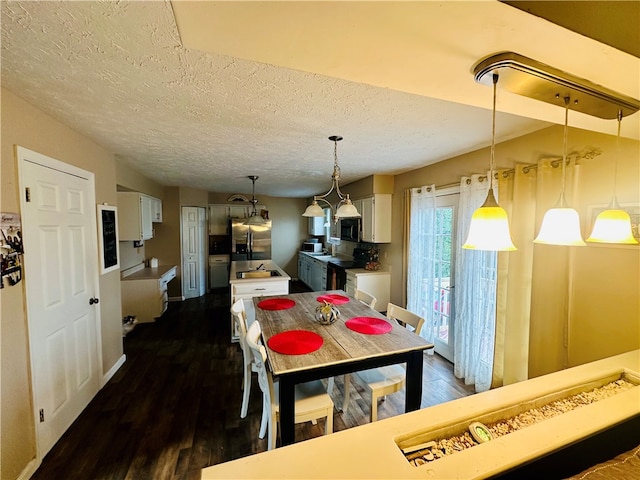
pixel 255 218
pixel 344 208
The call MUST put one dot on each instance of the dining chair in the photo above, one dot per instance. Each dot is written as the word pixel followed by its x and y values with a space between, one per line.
pixel 382 381
pixel 365 298
pixel 311 399
pixel 369 300
pixel 240 321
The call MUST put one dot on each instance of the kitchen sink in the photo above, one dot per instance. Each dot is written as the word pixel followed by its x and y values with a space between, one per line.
pixel 258 274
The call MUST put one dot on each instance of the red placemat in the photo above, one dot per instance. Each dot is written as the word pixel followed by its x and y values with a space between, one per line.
pixel 368 325
pixel 333 298
pixel 276 304
pixel 295 342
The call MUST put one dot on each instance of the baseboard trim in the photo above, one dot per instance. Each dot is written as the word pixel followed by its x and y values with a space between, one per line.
pixel 112 371
pixel 30 469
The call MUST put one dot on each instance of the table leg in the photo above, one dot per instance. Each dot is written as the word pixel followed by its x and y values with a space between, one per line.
pixel 287 410
pixel 413 396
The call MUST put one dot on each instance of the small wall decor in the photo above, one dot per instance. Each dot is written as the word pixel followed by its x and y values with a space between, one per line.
pixel 108 238
pixel 11 249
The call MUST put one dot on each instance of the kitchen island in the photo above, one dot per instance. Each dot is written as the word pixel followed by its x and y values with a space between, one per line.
pixel 375 450
pixel 269 280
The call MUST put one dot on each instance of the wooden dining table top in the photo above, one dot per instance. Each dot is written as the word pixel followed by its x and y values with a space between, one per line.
pixel 340 344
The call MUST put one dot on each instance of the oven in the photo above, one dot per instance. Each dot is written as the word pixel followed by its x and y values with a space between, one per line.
pixel 337 269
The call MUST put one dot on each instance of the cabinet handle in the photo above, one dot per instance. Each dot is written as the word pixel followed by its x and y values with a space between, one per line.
pixel 260 289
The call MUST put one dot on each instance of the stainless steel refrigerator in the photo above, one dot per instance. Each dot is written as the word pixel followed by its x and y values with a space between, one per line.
pixel 250 242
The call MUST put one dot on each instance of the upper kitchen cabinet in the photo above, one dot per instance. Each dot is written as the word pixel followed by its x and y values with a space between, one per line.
pixel 316 226
pixel 136 214
pixel 376 218
pixel 219 216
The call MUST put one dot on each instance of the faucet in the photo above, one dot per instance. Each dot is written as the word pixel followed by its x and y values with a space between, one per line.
pixel 260 266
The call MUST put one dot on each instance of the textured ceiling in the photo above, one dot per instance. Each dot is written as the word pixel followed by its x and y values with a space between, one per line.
pixel 255 88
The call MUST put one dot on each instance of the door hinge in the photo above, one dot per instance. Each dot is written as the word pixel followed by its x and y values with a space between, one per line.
pixel 27 194
pixel 41 415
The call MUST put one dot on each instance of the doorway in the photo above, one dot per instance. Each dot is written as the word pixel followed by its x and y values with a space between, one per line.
pixel 194 252
pixel 61 281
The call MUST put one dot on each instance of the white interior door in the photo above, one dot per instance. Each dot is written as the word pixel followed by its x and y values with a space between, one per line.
pixel 194 262
pixel 61 281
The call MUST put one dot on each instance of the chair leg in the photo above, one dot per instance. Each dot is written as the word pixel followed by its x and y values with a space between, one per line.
pixel 374 409
pixel 265 417
pixel 330 383
pixel 347 392
pixel 246 391
pixel 328 428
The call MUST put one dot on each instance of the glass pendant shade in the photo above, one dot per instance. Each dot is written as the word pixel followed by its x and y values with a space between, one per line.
pixel 313 210
pixel 347 210
pixel 560 226
pixel 255 219
pixel 489 229
pixel 613 226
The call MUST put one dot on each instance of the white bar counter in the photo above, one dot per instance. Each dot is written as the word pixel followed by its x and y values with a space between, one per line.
pixel 371 451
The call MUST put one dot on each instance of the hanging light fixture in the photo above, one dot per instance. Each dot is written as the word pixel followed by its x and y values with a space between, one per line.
pixel 561 224
pixel 489 229
pixel 613 225
pixel 344 208
pixel 255 218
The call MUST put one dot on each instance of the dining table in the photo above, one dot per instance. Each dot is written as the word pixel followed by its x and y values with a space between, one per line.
pixel 326 350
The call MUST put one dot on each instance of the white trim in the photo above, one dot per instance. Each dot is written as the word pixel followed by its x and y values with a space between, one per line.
pixel 447 191
pixel 30 469
pixel 112 371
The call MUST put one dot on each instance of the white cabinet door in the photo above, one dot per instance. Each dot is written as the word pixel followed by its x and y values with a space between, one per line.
pixel 218 219
pixel 156 210
pixel 238 211
pixel 146 215
pixel 376 218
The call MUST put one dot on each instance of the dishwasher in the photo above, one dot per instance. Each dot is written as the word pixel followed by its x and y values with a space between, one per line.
pixel 218 271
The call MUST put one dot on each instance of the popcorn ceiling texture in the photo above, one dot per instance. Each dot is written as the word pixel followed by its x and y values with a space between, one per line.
pixel 117 73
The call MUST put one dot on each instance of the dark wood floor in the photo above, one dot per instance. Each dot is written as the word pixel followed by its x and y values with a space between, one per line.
pixel 174 406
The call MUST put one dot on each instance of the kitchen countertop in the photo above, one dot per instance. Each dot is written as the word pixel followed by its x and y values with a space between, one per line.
pixel 371 451
pixel 330 258
pixel 146 273
pixel 245 265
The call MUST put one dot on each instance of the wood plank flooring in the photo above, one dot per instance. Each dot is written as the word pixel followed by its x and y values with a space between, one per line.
pixel 174 406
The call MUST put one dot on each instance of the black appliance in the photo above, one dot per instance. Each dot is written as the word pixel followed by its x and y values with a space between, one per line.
pixel 337 269
pixel 350 229
pixel 219 244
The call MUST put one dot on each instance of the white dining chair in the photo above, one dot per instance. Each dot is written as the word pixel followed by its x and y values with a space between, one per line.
pixel 311 399
pixel 369 300
pixel 382 381
pixel 365 298
pixel 240 321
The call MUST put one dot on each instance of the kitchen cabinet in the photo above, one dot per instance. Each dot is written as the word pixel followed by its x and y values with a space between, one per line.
pixel 136 213
pixel 218 271
pixel 219 216
pixel 246 289
pixel 376 283
pixel 312 272
pixel 376 218
pixel 144 292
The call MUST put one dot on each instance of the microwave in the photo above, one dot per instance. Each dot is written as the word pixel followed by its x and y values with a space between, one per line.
pixel 313 247
pixel 350 229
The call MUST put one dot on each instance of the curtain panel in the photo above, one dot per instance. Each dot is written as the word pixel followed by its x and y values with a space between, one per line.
pixel 421 258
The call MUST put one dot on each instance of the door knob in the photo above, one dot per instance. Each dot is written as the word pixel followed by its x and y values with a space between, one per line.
pixel 93 300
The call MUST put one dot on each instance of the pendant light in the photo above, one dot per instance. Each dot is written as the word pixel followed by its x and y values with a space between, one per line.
pixel 561 224
pixel 613 225
pixel 489 229
pixel 255 218
pixel 344 208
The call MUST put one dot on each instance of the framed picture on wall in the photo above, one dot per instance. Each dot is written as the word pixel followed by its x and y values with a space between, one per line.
pixel 108 238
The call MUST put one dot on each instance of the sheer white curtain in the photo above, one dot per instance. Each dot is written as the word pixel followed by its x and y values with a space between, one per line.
pixel 475 299
pixel 421 258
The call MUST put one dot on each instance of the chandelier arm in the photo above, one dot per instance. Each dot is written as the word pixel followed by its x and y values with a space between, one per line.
pixel 325 201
